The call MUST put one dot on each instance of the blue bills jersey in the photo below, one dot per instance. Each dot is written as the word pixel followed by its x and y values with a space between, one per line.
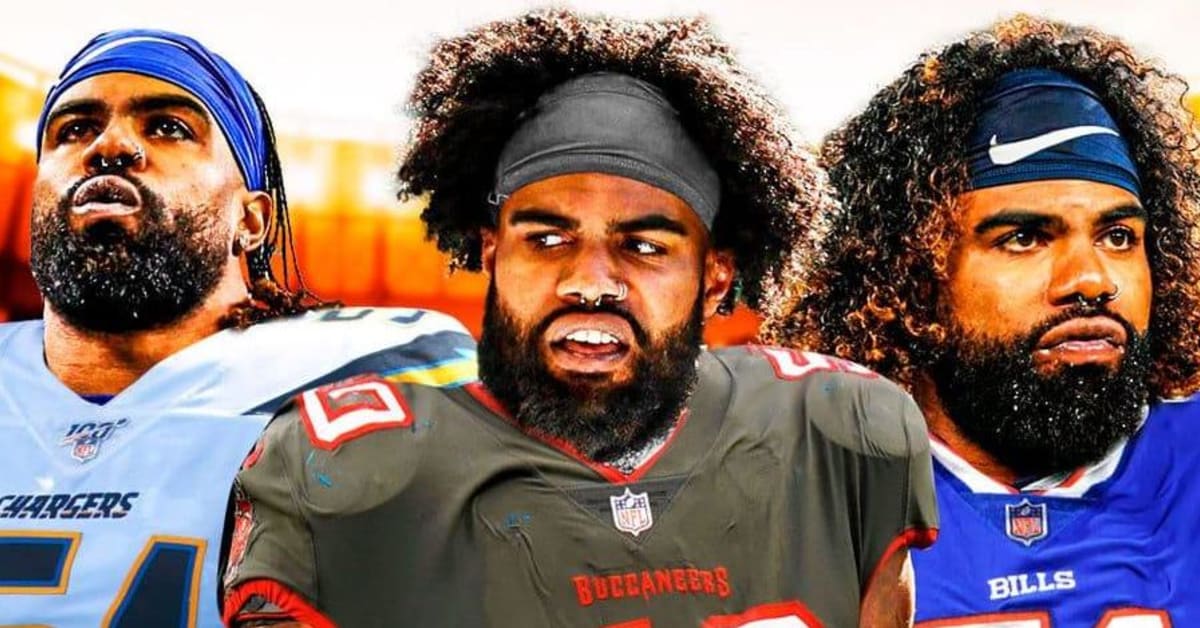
pixel 1114 545
pixel 111 515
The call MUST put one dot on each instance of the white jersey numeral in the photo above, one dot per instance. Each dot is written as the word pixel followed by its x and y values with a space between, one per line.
pixel 1115 618
pixel 346 410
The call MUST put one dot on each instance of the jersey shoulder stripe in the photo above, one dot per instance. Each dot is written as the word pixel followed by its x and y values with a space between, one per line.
pixel 847 403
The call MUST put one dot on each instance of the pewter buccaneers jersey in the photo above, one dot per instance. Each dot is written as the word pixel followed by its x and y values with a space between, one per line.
pixel 789 479
pixel 110 515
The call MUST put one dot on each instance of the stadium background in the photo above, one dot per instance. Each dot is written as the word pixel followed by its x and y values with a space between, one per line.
pixel 338 126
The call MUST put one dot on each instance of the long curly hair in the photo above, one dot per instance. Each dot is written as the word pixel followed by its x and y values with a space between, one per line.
pixel 469 98
pixel 873 293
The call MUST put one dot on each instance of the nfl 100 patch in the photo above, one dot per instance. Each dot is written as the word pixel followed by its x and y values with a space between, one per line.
pixel 85 438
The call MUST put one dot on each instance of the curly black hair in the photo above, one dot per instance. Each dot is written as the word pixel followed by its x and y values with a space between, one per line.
pixel 873 293
pixel 468 100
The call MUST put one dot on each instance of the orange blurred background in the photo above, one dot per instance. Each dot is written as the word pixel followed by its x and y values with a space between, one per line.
pixel 355 242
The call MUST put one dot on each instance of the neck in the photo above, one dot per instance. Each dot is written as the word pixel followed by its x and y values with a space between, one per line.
pixel 942 426
pixel 98 363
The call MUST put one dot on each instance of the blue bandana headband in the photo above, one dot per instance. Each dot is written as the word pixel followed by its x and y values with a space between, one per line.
pixel 186 63
pixel 1039 124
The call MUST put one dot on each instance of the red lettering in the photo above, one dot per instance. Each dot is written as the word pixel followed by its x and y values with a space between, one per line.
pixel 582 591
pixel 678 575
pixel 663 577
pixel 648 588
pixel 601 586
pixel 707 576
pixel 723 588
pixel 616 587
pixel 693 576
pixel 651 583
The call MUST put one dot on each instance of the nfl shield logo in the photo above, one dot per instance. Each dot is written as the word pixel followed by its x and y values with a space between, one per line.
pixel 1025 522
pixel 631 512
pixel 85 450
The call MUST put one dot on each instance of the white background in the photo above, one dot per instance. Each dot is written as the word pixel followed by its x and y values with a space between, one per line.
pixel 343 67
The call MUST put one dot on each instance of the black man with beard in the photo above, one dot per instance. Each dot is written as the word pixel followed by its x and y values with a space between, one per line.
pixel 127 410
pixel 611 177
pixel 1018 246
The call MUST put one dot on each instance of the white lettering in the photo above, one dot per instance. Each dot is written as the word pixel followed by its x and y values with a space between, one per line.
pixel 1016 585
pixel 1064 580
pixel 1000 588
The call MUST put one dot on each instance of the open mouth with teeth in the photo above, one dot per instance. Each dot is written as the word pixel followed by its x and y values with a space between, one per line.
pixel 589 343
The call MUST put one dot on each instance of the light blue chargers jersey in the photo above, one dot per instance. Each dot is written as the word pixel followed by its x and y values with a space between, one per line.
pixel 112 515
pixel 1113 545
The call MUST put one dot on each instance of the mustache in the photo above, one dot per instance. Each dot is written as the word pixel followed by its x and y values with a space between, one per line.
pixel 605 307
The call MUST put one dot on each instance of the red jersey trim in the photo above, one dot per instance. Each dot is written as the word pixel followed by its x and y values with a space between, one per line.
pixel 919 538
pixel 1041 617
pixel 614 476
pixel 294 606
pixel 1068 482
pixel 776 610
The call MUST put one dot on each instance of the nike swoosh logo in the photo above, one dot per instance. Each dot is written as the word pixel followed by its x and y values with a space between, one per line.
pixel 1011 153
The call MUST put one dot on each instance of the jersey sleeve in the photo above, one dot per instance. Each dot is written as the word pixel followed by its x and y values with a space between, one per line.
pixel 896 496
pixel 270 573
pixel 868 440
pixel 336 451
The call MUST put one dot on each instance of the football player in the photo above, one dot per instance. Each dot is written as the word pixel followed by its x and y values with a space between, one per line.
pixel 1018 246
pixel 126 411
pixel 612 178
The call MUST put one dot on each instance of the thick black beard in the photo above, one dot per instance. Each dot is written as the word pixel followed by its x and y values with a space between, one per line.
pixel 1038 424
pixel 601 422
pixel 107 280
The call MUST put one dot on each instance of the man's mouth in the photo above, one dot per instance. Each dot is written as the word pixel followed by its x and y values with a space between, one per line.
pixel 589 343
pixel 1095 339
pixel 105 196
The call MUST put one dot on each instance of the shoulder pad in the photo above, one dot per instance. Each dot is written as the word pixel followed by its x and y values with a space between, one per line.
pixel 267 364
pixel 349 446
pixel 848 403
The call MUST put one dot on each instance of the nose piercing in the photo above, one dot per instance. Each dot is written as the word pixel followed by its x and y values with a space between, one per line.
pixel 119 162
pixel 621 295
pixel 622 291
pixel 1107 297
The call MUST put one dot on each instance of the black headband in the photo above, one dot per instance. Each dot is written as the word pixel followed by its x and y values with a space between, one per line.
pixel 614 124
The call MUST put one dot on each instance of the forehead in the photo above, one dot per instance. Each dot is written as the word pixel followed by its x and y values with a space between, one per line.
pixel 117 88
pixel 593 197
pixel 1065 198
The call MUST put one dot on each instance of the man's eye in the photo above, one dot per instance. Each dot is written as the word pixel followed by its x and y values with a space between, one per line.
pixel 1020 241
pixel 1120 238
pixel 75 131
pixel 547 240
pixel 169 128
pixel 642 247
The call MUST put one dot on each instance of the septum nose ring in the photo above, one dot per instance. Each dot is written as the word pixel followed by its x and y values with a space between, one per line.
pixel 1107 297
pixel 120 160
pixel 622 293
